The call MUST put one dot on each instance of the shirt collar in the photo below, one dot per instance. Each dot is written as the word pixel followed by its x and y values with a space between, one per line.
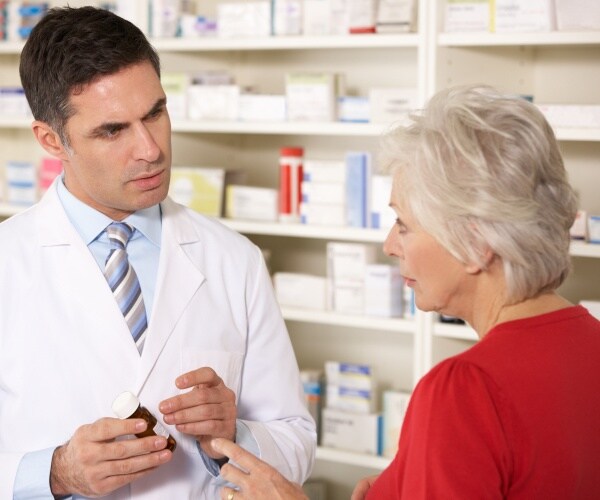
pixel 90 223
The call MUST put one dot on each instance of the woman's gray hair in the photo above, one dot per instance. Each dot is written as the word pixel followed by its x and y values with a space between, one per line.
pixel 479 170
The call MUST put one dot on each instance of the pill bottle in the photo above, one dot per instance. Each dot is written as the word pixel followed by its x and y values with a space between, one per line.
pixel 290 183
pixel 127 405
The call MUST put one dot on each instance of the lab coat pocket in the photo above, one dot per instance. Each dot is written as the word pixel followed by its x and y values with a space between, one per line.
pixel 227 365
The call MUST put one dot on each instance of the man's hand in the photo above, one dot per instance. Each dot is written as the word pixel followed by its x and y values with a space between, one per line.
pixel 208 410
pixel 93 464
pixel 255 479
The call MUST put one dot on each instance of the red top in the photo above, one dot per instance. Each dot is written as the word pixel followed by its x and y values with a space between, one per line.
pixel 516 416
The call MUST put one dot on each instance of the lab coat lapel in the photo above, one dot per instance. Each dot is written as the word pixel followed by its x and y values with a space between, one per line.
pixel 178 281
pixel 68 262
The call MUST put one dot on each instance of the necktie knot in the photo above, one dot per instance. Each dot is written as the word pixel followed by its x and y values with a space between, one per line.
pixel 119 234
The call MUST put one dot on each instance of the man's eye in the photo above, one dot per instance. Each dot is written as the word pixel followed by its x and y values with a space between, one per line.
pixel 111 132
pixel 156 113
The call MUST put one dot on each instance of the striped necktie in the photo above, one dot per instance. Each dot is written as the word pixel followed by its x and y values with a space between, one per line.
pixel 124 283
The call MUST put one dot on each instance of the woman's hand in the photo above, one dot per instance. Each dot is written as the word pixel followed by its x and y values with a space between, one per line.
pixel 254 478
pixel 362 488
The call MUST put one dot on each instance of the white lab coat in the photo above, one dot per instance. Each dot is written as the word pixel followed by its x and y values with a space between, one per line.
pixel 66 352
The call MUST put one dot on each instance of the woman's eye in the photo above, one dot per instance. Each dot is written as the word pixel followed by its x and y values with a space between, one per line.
pixel 400 225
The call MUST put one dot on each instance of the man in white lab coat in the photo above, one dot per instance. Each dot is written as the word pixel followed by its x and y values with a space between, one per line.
pixel 215 359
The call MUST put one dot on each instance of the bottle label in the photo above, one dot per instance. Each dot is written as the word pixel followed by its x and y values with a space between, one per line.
pixel 160 430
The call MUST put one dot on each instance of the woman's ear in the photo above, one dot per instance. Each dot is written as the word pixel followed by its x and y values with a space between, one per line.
pixel 488 256
pixel 49 139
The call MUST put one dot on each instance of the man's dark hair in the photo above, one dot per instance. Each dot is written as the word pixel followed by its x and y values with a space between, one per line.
pixel 70 48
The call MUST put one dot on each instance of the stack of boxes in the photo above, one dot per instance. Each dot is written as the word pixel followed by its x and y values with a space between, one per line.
pixel 349 419
pixel 25 183
pixel 324 193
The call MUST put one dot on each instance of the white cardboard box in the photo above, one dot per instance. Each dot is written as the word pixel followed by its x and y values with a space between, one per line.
pixel 347 262
pixel 577 15
pixel 395 404
pixel 383 291
pixel 351 431
pixel 252 203
pixel 301 290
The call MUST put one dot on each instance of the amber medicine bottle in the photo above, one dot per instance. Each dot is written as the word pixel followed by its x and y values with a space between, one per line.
pixel 127 405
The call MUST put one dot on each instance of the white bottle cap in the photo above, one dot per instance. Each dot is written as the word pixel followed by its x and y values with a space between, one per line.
pixel 125 404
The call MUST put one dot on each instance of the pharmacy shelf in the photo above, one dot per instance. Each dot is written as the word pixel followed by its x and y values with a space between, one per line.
pixel 15 123
pixel 11 47
pixel 578 134
pixel 508 39
pixel 216 44
pixel 280 128
pixel 212 44
pixel 303 128
pixel 8 210
pixel 349 458
pixel 396 325
pixel 451 331
pixel 581 249
pixel 307 231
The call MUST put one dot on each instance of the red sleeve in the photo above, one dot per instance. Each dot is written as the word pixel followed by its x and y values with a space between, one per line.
pixel 453 442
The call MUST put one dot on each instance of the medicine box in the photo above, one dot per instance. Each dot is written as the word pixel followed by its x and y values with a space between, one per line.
pixel 324 192
pixel 323 214
pixel 383 291
pixel 316 17
pixel 348 297
pixel 594 228
pixel 358 188
pixel 287 17
pixel 360 433
pixel 577 15
pixel 349 399
pixel 303 291
pixel 382 215
pixel 202 188
pixel 325 171
pixel 392 105
pixel 244 19
pixel 313 393
pixel 350 375
pixel 511 16
pixel 175 85
pixel 261 108
pixel 347 262
pixel 21 183
pixel 396 16
pixel 395 404
pixel 354 109
pixel 13 103
pixel 213 102
pixel 312 96
pixel 251 203
pixel 468 16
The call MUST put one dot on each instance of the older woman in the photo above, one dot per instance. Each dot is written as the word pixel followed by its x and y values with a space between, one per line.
pixel 484 210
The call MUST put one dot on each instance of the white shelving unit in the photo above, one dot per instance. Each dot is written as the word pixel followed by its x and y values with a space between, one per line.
pixel 556 67
pixel 348 458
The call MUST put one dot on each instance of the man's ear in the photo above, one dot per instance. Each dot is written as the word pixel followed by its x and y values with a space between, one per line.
pixel 49 139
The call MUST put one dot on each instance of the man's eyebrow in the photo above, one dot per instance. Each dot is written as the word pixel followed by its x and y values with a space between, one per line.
pixel 116 126
pixel 158 105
